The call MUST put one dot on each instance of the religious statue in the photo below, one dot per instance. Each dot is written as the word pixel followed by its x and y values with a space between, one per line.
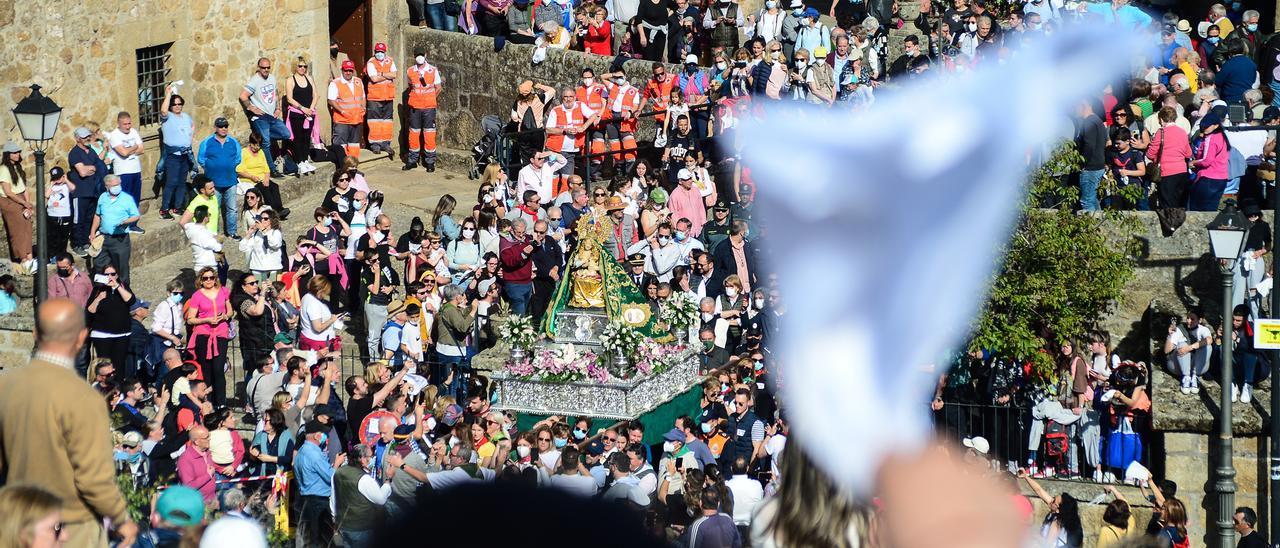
pixel 586 282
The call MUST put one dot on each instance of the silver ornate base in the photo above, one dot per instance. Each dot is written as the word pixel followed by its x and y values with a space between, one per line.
pixel 580 326
pixel 621 400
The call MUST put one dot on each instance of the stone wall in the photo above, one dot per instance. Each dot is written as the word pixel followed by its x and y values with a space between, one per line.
pixel 1190 460
pixel 480 82
pixel 84 58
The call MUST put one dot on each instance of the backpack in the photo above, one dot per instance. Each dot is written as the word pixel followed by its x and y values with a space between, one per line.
pixel 1056 442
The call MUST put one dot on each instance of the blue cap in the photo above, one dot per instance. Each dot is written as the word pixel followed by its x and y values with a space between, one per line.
pixel 181 506
pixel 675 434
pixel 812 13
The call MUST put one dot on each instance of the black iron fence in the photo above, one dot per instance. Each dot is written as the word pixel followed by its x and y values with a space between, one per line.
pixel 1097 438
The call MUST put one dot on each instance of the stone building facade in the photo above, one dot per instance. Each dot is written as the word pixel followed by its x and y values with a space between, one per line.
pixel 102 58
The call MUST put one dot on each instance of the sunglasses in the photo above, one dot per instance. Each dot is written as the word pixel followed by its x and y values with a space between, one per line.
pixel 539 232
pixel 548 440
pixel 177 104
pixel 264 218
pixel 600 194
pixel 255 282
pixel 302 66
pixel 341 179
pixel 110 273
pixel 611 438
pixel 208 277
pixel 268 67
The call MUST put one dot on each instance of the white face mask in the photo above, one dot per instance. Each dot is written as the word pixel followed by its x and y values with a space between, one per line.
pixel 588 81
pixel 722 65
pixel 420 60
pixel 467 233
pixel 669 446
pixel 759 303
pixel 971 27
pixel 523 451
pixel 770 4
pixel 379 56
pixel 730 292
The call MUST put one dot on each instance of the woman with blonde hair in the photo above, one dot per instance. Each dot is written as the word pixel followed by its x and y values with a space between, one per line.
pixel 809 509
pixel 30 517
pixel 209 315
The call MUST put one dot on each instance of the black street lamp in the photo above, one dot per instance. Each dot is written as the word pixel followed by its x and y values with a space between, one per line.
pixel 37 117
pixel 1226 238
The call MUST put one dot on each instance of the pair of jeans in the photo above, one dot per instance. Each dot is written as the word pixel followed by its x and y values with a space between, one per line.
pixel 131 184
pixel 230 209
pixel 315 521
pixel 177 167
pixel 1089 179
pixel 518 295
pixel 272 129
pixel 440 19
pixel 1206 193
pixel 1245 366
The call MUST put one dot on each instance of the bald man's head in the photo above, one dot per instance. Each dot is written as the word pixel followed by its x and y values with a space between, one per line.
pixel 60 322
pixel 199 436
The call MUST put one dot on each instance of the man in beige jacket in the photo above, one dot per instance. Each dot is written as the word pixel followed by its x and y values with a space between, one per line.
pixel 55 433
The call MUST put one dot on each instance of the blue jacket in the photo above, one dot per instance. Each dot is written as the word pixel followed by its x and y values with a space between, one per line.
pixel 219 160
pixel 1236 77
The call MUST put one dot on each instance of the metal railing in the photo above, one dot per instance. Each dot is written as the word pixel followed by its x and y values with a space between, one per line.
pixel 1008 430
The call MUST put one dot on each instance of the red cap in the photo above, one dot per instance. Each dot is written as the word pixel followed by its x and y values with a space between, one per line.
pixel 348 65
pixel 380 47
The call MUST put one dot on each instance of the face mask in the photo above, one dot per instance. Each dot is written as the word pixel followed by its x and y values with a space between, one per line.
pixel 722 65
pixel 1251 27
pixel 708 345
pixel 681 235
pixel 453 441
pixel 971 27
pixel 379 56
pixel 706 428
pixel 664 240
pixel 777 56
pixel 800 63
pixel 588 81
pixel 1034 26
pixel 669 447
pixel 691 68
pixel 327 221
pixel 135 457
pixel 467 233
pixel 1214 40
pixel 115 190
pixel 324 440
pixel 758 365
pixel 797 12
pixel 730 292
pixel 175 299
pixel 578 434
pixel 724 387
pixel 333 52
pixel 620 81
pixel 523 451
pixel 420 60
pixel 357 204
pixel 770 4
pixel 64 273
pixel 561 442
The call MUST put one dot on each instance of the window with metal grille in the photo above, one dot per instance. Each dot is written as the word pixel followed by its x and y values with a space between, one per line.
pixel 153 72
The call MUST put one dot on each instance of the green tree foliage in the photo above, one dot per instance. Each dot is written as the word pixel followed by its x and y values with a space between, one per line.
pixel 1060 273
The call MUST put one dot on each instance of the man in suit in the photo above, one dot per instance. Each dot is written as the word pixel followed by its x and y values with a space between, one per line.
pixel 736 255
pixel 706 280
pixel 59 439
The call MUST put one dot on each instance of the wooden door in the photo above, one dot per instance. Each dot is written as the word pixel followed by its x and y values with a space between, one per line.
pixel 350 23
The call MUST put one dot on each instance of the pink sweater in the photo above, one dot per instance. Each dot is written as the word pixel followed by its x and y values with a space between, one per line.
pixel 1212 157
pixel 687 204
pixel 193 472
pixel 1176 151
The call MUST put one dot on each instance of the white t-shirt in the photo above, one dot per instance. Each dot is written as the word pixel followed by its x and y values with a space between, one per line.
pixel 263 93
pixel 583 486
pixel 314 310
pixel 774 447
pixel 124 165
pixel 59 204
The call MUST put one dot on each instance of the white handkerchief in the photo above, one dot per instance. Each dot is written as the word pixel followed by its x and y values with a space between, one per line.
pixel 891 220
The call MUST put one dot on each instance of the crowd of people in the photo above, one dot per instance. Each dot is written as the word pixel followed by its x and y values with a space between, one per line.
pixel 420 298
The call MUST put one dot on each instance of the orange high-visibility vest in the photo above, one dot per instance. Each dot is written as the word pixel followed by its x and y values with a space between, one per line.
pixel 659 94
pixel 386 89
pixel 350 101
pixel 562 117
pixel 423 95
pixel 593 96
pixel 623 99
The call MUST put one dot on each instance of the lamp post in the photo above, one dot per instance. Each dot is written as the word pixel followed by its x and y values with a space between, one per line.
pixel 37 117
pixel 1226 238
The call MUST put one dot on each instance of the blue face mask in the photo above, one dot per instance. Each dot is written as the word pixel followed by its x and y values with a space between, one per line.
pixel 115 190
pixel 1214 40
pixel 136 457
pixel 175 299
pixel 328 221
pixel 357 204
pixel 324 440
pixel 1251 27
pixel 578 434
pixel 379 56
pixel 706 428
pixel 561 442
pixel 681 235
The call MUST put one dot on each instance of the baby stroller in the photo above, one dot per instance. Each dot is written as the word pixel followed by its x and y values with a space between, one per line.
pixel 486 150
